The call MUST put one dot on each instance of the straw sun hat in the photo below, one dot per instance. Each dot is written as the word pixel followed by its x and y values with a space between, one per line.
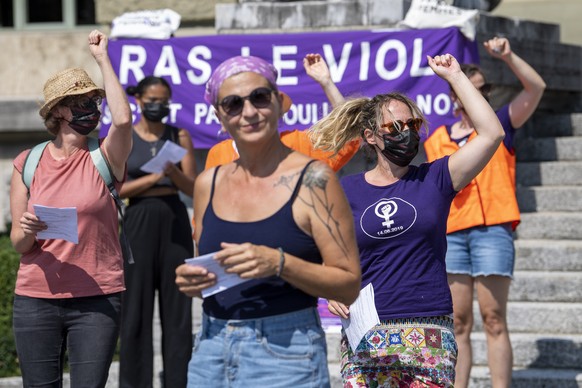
pixel 69 82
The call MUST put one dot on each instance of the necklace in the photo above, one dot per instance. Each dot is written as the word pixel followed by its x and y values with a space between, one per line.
pixel 144 135
pixel 153 147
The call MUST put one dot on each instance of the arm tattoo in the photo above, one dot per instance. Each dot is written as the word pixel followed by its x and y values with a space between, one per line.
pixel 315 180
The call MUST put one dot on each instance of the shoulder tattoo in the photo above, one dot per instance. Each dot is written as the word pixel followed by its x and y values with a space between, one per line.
pixel 315 181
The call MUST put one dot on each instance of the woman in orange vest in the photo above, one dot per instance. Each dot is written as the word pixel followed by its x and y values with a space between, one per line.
pixel 483 215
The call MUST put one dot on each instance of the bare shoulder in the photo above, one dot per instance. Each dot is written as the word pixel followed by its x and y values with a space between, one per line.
pixel 323 209
pixel 316 171
pixel 318 175
pixel 204 179
pixel 320 184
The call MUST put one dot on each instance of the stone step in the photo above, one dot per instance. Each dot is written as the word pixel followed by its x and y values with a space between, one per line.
pixel 538 286
pixel 558 77
pixel 549 148
pixel 539 317
pixel 531 378
pixel 517 29
pixel 550 226
pixel 560 351
pixel 549 198
pixel 549 173
pixel 542 125
pixel 548 255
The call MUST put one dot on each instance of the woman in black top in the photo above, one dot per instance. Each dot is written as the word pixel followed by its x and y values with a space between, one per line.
pixel 158 228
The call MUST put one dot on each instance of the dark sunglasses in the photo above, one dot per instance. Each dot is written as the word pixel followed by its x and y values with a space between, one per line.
pixel 233 105
pixel 399 125
pixel 82 101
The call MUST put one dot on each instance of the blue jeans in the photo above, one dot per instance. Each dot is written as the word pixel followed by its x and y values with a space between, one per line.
pixel 481 251
pixel 286 350
pixel 44 329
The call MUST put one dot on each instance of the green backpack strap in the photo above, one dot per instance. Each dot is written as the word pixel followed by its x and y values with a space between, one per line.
pixel 101 164
pixel 31 162
pixel 105 171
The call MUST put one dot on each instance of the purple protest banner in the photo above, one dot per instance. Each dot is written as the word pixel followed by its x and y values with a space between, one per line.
pixel 362 63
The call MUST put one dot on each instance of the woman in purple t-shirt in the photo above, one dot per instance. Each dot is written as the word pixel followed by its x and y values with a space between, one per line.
pixel 400 215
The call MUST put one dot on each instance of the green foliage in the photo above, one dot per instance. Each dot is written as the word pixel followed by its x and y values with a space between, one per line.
pixel 9 260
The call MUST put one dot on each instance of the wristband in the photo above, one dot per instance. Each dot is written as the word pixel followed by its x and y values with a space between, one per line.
pixel 281 262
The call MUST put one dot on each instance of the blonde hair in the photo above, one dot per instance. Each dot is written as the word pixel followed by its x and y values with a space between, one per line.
pixel 350 119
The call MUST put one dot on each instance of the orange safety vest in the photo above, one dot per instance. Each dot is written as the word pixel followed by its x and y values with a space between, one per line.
pixel 489 199
pixel 224 152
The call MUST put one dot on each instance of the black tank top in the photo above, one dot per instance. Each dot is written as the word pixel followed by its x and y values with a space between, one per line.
pixel 141 153
pixel 259 298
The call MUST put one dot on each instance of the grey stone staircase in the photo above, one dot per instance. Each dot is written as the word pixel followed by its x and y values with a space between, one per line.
pixel 545 300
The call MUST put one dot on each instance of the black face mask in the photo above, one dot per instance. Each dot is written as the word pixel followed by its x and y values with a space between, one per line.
pixel 85 118
pixel 155 111
pixel 401 147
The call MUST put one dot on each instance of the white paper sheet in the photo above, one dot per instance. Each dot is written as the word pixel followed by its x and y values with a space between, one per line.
pixel 170 152
pixel 224 280
pixel 61 223
pixel 363 316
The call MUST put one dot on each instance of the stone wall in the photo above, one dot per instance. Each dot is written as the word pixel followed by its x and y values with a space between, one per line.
pixel 193 12
pixel 566 13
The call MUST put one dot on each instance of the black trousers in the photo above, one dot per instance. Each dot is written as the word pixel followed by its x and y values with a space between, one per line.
pixel 160 235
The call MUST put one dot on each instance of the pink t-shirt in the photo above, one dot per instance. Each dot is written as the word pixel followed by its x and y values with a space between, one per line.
pixel 61 269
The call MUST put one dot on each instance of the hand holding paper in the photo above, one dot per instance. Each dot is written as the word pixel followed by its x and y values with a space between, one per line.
pixel 61 223
pixel 363 317
pixel 224 280
pixel 170 152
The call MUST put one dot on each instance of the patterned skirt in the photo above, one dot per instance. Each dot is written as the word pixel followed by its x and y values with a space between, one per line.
pixel 416 352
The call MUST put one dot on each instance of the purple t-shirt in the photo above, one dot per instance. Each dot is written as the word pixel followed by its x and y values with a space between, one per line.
pixel 401 234
pixel 505 120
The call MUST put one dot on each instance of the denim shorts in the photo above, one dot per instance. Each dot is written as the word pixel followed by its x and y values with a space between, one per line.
pixel 286 350
pixel 481 251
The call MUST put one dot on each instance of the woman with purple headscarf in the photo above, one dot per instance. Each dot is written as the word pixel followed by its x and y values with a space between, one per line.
pixel 279 220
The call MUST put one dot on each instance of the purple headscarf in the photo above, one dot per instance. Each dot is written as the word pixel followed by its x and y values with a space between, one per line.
pixel 234 66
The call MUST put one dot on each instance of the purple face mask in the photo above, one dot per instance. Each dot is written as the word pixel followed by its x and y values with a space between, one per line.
pixel 236 65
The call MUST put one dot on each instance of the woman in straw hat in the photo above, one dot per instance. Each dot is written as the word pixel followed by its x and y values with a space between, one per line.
pixel 278 220
pixel 68 295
